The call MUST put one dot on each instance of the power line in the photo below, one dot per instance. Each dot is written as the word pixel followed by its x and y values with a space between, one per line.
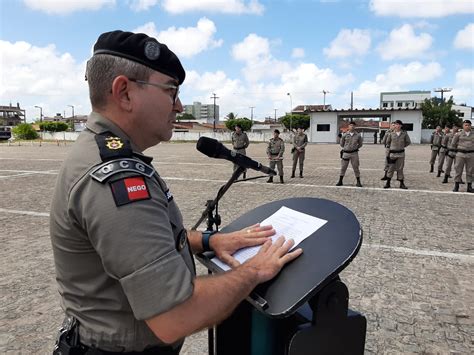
pixel 214 97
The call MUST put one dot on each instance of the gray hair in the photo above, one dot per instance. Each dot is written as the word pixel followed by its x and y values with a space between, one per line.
pixel 101 71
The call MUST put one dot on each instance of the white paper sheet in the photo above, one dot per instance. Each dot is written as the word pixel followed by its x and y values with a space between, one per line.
pixel 285 221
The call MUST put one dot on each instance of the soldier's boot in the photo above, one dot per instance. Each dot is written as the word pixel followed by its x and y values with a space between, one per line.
pixel 384 177
pixel 244 175
pixel 358 182
pixel 456 187
pixel 270 179
pixel 387 183
pixel 439 173
pixel 292 174
pixel 431 168
pixel 445 180
pixel 402 185
pixel 462 182
pixel 339 183
pixel 301 174
pixel 281 180
pixel 469 188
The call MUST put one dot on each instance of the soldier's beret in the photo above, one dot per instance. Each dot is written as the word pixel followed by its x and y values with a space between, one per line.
pixel 398 122
pixel 467 121
pixel 142 49
pixel 276 131
pixel 352 123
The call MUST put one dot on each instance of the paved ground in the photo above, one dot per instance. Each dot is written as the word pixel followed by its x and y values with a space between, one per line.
pixel 412 277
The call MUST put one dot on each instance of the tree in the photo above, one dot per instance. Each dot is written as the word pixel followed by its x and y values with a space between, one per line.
pixel 24 131
pixel 244 122
pixel 296 121
pixel 53 126
pixel 439 112
pixel 185 117
pixel 231 116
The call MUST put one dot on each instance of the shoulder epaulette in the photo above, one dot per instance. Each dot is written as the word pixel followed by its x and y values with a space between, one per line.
pixel 105 170
pixel 113 147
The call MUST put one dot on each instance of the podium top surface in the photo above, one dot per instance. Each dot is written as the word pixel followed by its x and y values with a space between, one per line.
pixel 325 253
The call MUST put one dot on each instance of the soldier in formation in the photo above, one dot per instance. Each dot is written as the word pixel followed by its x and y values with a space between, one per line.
pixel 275 150
pixel 387 151
pixel 300 140
pixel 240 142
pixel 396 142
pixel 351 142
pixel 436 137
pixel 450 154
pixel 443 150
pixel 463 143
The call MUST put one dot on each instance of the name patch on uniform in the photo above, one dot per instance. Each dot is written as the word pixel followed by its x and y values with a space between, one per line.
pixel 129 190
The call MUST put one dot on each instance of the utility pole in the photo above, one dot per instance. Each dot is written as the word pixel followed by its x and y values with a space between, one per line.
pixel 41 113
pixel 275 114
pixel 251 113
pixel 324 99
pixel 72 125
pixel 442 91
pixel 291 109
pixel 215 98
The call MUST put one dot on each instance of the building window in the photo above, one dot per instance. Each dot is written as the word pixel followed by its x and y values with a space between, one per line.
pixel 461 114
pixel 408 127
pixel 399 104
pixel 384 104
pixel 323 127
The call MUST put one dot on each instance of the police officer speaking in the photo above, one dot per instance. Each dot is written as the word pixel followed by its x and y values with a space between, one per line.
pixel 123 258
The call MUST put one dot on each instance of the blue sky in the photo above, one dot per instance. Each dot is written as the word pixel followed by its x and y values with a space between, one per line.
pixel 247 52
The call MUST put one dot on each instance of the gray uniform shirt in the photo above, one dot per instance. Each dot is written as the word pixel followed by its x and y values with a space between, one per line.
pixel 396 143
pixel 463 143
pixel 300 140
pixel 436 140
pixel 276 146
pixel 240 140
pixel 350 143
pixel 116 265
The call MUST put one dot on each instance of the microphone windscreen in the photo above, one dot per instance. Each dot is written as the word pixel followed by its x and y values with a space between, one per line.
pixel 208 146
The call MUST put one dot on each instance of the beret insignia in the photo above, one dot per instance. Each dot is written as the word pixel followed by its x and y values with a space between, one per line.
pixel 152 50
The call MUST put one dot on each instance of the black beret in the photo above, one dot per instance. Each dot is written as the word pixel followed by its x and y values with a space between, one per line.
pixel 276 131
pixel 352 122
pixel 399 122
pixel 467 121
pixel 142 49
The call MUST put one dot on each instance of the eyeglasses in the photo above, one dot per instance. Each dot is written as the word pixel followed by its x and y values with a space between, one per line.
pixel 175 88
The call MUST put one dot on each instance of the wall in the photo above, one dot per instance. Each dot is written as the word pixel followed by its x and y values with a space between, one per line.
pixel 323 118
pixel 414 117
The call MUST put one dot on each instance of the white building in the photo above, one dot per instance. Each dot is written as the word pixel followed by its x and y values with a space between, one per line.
pixel 203 112
pixel 403 99
pixel 465 112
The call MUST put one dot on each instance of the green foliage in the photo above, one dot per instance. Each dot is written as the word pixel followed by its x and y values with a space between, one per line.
pixel 24 131
pixel 296 121
pixel 439 112
pixel 244 122
pixel 53 126
pixel 231 116
pixel 185 117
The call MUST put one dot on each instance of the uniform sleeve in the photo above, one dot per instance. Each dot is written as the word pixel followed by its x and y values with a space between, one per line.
pixel 384 139
pixel 388 142
pixel 455 141
pixel 282 149
pixel 343 141
pixel 136 245
pixel 246 141
pixel 361 141
pixel 268 148
pixel 432 138
pixel 305 141
pixel 407 140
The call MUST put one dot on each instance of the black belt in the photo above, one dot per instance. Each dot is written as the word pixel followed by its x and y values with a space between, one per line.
pixel 465 151
pixel 445 147
pixel 239 148
pixel 157 350
pixel 397 151
pixel 351 151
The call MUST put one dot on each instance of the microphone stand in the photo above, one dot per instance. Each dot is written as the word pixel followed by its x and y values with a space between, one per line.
pixel 213 218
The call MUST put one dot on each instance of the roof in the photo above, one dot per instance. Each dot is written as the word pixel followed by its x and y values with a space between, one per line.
pixel 311 108
pixel 362 110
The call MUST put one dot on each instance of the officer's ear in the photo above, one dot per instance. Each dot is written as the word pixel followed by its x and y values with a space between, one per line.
pixel 121 87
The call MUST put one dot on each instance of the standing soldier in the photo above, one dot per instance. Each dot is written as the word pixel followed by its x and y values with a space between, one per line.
pixel 397 141
pixel 463 142
pixel 436 137
pixel 387 150
pixel 275 150
pixel 351 141
pixel 443 150
pixel 450 154
pixel 240 142
pixel 300 141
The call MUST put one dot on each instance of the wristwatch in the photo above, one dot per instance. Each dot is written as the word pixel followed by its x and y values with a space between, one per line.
pixel 206 237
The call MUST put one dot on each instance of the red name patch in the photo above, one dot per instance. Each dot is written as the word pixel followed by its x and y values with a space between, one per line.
pixel 136 188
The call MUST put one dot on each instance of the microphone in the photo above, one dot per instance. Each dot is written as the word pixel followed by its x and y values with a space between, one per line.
pixel 214 149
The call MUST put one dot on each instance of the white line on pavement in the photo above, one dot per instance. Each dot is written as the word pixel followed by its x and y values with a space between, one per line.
pixel 463 257
pixel 29 213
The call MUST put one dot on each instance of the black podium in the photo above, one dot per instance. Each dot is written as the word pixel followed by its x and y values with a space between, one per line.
pixel 304 310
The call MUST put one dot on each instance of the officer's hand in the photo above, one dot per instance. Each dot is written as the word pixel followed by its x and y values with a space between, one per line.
pixel 272 257
pixel 226 244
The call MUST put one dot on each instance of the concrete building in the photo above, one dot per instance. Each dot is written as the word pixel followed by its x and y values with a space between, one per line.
pixel 403 99
pixel 12 115
pixel 203 112
pixel 465 112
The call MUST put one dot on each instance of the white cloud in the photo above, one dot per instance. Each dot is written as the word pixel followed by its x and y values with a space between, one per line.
pixel 259 62
pixel 215 6
pixel 404 43
pixel 463 89
pixel 142 5
pixel 61 7
pixel 185 41
pixel 399 77
pixel 297 53
pixel 42 76
pixel 349 43
pixel 465 38
pixel 421 8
